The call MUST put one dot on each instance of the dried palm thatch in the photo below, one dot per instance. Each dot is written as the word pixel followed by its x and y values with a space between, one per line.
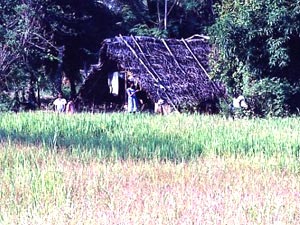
pixel 170 69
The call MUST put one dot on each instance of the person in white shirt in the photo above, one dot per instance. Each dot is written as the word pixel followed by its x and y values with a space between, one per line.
pixel 239 102
pixel 60 103
pixel 238 106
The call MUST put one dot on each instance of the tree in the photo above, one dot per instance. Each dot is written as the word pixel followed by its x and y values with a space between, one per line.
pixel 164 18
pixel 256 46
pixel 79 26
pixel 41 39
pixel 23 43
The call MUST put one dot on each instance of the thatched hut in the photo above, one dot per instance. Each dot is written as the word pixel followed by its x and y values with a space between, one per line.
pixel 170 69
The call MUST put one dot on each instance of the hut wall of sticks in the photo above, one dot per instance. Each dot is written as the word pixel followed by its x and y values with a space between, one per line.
pixel 175 70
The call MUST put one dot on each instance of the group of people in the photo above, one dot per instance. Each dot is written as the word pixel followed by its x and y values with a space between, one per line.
pixel 61 105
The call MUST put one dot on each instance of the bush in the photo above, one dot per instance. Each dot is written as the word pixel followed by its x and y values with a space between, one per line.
pixel 5 102
pixel 269 96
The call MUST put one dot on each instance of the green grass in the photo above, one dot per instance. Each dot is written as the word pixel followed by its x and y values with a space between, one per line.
pixel 28 178
pixel 144 136
pixel 111 168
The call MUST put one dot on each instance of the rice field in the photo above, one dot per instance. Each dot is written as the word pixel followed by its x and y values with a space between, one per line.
pixel 146 169
pixel 145 136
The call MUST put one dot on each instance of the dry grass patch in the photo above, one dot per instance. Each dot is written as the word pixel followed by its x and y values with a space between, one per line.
pixel 64 189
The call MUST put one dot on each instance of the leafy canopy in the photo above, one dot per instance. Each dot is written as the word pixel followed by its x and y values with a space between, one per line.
pixel 257 44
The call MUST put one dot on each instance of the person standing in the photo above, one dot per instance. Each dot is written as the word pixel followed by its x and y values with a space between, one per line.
pixel 60 103
pixel 132 98
pixel 239 102
pixel 70 108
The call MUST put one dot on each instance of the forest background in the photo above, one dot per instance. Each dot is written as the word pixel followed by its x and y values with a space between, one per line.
pixel 256 44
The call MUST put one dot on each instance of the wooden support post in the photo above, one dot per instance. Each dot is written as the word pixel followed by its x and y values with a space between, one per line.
pixel 153 74
pixel 163 88
pixel 176 61
pixel 195 57
pixel 140 60
pixel 125 96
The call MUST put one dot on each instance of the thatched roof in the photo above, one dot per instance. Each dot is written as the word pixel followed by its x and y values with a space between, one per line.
pixel 172 69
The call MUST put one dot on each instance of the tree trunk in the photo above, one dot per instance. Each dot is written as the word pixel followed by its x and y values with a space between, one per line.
pixel 73 88
pixel 58 74
pixel 38 96
pixel 166 15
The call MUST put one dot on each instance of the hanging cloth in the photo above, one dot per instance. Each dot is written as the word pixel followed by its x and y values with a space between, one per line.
pixel 113 83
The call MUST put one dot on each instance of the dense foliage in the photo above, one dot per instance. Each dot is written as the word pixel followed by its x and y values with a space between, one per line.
pixel 42 41
pixel 24 43
pixel 165 18
pixel 258 52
